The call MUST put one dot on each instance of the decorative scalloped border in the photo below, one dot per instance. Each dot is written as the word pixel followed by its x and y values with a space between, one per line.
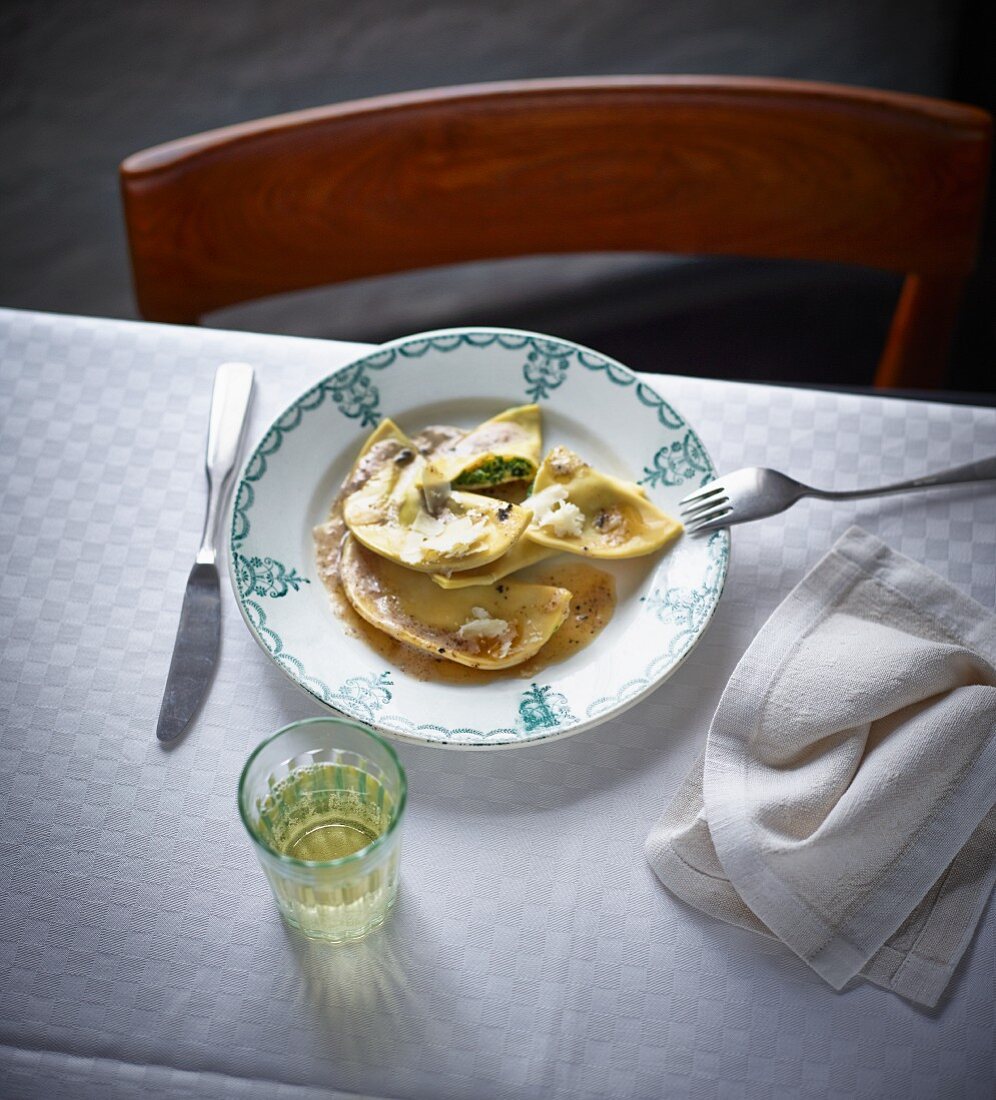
pixel 358 398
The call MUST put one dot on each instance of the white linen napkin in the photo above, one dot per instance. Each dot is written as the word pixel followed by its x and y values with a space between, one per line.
pixel 844 802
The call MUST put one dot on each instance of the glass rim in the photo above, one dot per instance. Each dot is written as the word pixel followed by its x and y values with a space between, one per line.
pixel 360 853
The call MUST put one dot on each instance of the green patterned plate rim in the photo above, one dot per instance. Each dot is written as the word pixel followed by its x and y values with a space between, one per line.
pixel 463 375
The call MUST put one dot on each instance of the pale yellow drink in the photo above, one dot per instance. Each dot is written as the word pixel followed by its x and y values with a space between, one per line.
pixel 323 801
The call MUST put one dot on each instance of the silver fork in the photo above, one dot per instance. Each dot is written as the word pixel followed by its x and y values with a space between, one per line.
pixel 755 492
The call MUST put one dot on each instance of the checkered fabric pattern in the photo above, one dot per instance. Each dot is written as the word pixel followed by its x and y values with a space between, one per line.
pixel 532 954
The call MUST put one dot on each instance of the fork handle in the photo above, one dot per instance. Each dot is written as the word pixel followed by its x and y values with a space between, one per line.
pixel 983 470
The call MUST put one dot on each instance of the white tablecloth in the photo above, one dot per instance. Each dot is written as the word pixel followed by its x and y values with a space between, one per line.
pixel 532 954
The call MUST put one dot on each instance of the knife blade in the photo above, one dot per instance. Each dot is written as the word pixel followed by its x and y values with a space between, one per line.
pixel 195 652
pixel 198 637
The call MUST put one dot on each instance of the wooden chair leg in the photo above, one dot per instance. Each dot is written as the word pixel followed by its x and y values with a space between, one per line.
pixel 919 344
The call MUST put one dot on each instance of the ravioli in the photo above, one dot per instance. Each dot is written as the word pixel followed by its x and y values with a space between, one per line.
pixel 505 448
pixel 578 509
pixel 386 443
pixel 488 627
pixel 524 553
pixel 386 511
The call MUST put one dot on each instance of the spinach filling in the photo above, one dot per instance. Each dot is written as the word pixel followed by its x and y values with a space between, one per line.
pixel 496 471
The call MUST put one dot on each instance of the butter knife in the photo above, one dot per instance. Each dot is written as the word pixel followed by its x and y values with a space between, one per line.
pixel 195 651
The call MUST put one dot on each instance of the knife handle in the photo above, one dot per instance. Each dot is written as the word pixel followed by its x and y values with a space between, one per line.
pixel 229 415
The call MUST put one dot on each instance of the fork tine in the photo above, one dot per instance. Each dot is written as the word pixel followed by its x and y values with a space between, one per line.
pixel 704 517
pixel 708 528
pixel 700 494
pixel 694 511
pixel 710 521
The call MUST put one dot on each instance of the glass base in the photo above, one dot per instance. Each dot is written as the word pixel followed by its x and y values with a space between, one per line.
pixel 334 927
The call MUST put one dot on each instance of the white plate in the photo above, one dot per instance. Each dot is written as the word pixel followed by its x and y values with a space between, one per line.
pixel 463 376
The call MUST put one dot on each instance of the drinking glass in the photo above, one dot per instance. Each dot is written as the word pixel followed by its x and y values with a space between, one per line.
pixel 323 801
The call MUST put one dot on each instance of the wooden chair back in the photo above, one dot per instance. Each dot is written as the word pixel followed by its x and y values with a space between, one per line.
pixel 692 165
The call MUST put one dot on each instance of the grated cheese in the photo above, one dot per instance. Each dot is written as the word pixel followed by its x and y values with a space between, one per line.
pixel 446 537
pixel 429 526
pixel 482 626
pixel 552 509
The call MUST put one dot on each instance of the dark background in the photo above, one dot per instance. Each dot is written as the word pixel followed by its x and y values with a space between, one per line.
pixel 84 84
